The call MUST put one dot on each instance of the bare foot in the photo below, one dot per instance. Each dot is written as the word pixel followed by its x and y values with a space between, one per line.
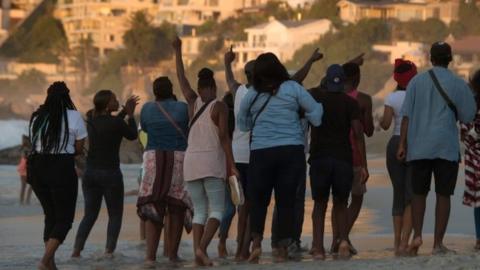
pixel 53 265
pixel 108 255
pixel 42 266
pixel 222 251
pixel 203 258
pixel 76 253
pixel 401 250
pixel 353 250
pixel 176 259
pixel 334 247
pixel 319 255
pixel 344 250
pixel 148 264
pixel 415 246
pixel 442 250
pixel 281 256
pixel 255 255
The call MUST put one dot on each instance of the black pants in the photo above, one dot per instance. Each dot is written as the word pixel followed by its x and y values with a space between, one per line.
pixel 55 184
pixel 98 184
pixel 299 214
pixel 278 169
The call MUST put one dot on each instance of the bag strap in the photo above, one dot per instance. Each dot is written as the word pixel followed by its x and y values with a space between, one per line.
pixel 199 113
pixel 258 114
pixel 444 95
pixel 170 119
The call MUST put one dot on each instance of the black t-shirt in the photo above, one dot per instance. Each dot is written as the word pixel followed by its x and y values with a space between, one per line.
pixel 105 134
pixel 332 137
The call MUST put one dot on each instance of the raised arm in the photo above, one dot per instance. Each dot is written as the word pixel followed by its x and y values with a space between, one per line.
pixel 359 59
pixel 313 109
pixel 130 131
pixel 187 90
pixel 231 82
pixel 303 72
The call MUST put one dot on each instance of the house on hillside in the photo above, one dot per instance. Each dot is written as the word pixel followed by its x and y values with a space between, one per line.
pixel 105 22
pixel 466 55
pixel 197 12
pixel 414 51
pixel 352 11
pixel 283 38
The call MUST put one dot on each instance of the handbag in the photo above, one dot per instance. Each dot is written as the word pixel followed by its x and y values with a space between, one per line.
pixel 258 114
pixel 236 191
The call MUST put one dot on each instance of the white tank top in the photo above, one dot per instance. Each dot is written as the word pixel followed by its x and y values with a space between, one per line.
pixel 241 139
pixel 204 156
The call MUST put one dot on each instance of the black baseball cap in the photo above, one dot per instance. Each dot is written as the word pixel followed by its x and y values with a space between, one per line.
pixel 441 50
pixel 335 78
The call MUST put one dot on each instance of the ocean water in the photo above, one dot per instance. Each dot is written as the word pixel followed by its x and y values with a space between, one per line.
pixel 12 131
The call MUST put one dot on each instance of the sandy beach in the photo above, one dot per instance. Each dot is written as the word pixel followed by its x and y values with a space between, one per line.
pixel 21 235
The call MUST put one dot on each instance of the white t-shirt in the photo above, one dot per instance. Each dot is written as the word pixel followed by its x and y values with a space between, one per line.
pixel 395 101
pixel 77 131
pixel 240 140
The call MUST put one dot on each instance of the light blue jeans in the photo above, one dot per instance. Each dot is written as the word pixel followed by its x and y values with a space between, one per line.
pixel 208 197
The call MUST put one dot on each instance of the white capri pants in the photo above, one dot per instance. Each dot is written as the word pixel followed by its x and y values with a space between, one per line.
pixel 208 197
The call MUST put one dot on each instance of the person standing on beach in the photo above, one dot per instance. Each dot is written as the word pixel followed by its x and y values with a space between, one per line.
pixel 359 187
pixel 331 158
pixel 402 189
pixel 162 189
pixel 241 153
pixel 58 132
pixel 102 178
pixel 209 159
pixel 22 171
pixel 270 110
pixel 471 139
pixel 429 141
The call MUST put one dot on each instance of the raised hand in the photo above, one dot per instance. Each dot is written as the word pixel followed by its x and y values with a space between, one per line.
pixel 131 104
pixel 177 43
pixel 359 59
pixel 316 55
pixel 229 56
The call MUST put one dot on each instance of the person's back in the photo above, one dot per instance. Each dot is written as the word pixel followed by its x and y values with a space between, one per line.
pixel 332 138
pixel 105 134
pixel 279 123
pixel 162 135
pixel 432 131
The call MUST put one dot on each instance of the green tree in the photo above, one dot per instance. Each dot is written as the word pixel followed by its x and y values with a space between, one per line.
pixel 31 82
pixel 428 31
pixel 109 75
pixel 85 60
pixel 323 9
pixel 146 44
pixel 469 20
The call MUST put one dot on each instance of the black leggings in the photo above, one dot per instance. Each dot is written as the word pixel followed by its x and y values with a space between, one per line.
pixel 98 184
pixel 276 168
pixel 55 184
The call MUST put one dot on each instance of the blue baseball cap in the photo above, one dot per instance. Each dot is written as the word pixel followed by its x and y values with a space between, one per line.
pixel 335 78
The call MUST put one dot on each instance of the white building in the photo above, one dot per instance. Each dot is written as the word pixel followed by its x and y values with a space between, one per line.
pixel 283 38
pixel 414 51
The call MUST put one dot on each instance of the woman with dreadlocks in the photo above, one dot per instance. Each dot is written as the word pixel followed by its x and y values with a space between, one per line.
pixel 57 131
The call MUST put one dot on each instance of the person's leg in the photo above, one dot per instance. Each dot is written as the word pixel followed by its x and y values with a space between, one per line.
pixel 445 173
pixel 29 194
pixel 177 218
pixel 421 174
pixel 299 210
pixel 259 192
pixel 343 176
pixel 357 201
pixel 225 224
pixel 476 214
pixel 64 190
pixel 23 186
pixel 406 229
pixel 153 231
pixel 318 222
pixel 291 164
pixel 92 194
pixel 200 210
pixel 114 201
pixel 215 190
pixel 243 235
pixel 397 172
pixel 274 229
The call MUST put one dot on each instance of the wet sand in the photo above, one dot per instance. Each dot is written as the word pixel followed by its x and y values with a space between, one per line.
pixel 21 236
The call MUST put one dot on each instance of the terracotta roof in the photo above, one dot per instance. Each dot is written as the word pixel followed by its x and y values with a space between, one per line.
pixel 466 45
